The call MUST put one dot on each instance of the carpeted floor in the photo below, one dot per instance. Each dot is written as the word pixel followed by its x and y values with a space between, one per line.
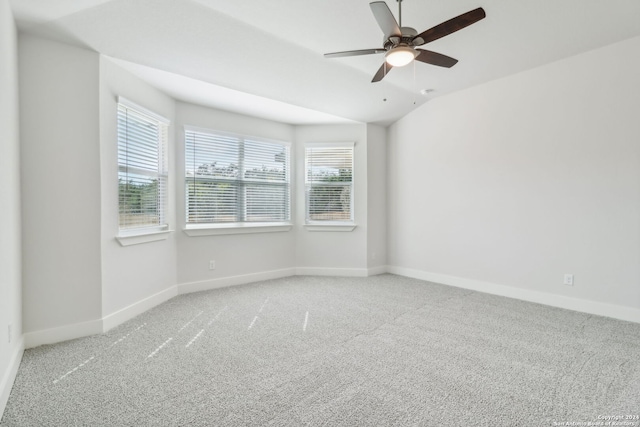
pixel 325 351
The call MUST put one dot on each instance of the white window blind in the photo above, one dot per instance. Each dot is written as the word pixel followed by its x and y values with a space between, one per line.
pixel 142 168
pixel 329 182
pixel 235 179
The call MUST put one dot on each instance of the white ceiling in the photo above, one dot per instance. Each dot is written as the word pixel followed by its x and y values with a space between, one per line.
pixel 265 58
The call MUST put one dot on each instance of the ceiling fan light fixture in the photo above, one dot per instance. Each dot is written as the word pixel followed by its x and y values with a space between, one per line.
pixel 400 56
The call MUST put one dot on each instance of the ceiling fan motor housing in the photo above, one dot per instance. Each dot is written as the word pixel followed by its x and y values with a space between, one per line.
pixel 407 39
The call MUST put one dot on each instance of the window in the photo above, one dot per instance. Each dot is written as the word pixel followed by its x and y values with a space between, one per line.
pixel 329 182
pixel 142 169
pixel 232 179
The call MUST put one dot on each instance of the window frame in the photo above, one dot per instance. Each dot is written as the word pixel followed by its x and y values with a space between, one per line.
pixel 146 233
pixel 195 229
pixel 329 225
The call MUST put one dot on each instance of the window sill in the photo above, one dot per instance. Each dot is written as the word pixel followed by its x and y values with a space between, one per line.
pixel 331 227
pixel 136 239
pixel 222 229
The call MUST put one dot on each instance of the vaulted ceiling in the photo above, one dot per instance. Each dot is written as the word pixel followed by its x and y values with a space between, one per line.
pixel 265 58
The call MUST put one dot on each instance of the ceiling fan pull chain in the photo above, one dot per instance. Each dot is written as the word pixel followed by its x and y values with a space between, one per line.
pixel 415 83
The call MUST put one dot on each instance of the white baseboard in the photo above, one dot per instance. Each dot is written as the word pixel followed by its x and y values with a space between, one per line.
pixel 62 333
pixel 322 271
pixel 54 335
pixel 94 327
pixel 9 376
pixel 78 330
pixel 224 282
pixel 119 317
pixel 586 306
pixel 374 271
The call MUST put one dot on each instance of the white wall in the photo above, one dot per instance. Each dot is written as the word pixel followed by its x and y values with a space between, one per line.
pixel 237 254
pixel 376 196
pixel 10 223
pixel 60 172
pixel 318 251
pixel 131 273
pixel 521 180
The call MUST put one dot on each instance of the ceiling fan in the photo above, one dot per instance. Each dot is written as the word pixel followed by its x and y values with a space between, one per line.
pixel 400 43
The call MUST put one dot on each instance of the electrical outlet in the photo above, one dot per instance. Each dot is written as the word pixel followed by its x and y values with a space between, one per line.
pixel 212 265
pixel 568 279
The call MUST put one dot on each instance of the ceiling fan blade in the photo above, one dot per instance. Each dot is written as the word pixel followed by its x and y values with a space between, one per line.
pixel 450 26
pixel 435 58
pixel 382 71
pixel 354 53
pixel 386 21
